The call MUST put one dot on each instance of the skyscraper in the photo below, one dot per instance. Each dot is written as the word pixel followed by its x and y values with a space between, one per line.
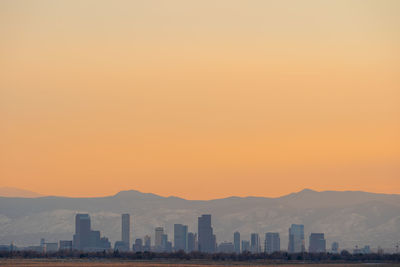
pixel 296 238
pixel 159 231
pixel 272 243
pixel 147 243
pixel 86 239
pixel 191 242
pixel 138 246
pixel 180 237
pixel 206 237
pixel 245 245
pixel 317 243
pixel 125 233
pixel 236 241
pixel 164 242
pixel 214 243
pixel 81 239
pixel 255 243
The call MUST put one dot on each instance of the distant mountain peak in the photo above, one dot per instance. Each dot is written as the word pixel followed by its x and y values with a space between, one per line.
pixel 17 192
pixel 135 193
pixel 308 190
pixel 130 191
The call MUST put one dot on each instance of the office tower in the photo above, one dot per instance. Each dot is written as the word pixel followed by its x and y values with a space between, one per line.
pixel 94 241
pixel 159 231
pixel 164 241
pixel 236 241
pixel 51 247
pixel 65 245
pixel 180 237
pixel 191 242
pixel 86 239
pixel 120 246
pixel 104 244
pixel 214 243
pixel 147 243
pixel 226 247
pixel 335 247
pixel 138 245
pixel 296 238
pixel 168 247
pixel 317 243
pixel 272 243
pixel 206 237
pixel 82 232
pixel 245 246
pixel 255 243
pixel 125 233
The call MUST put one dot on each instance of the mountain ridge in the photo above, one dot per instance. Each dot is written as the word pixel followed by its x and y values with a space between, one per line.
pixel 142 194
pixel 7 191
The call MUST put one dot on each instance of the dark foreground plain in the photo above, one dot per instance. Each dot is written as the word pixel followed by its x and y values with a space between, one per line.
pixel 165 263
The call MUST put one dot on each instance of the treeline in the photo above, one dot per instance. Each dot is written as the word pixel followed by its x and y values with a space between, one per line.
pixel 277 257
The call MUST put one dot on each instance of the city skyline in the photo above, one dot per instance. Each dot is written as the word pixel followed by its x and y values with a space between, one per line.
pixel 351 215
pixel 87 240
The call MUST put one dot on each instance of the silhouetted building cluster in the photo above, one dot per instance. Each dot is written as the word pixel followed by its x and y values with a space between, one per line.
pixel 86 239
pixel 364 250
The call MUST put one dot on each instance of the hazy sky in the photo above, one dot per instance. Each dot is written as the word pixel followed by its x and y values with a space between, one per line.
pixel 199 99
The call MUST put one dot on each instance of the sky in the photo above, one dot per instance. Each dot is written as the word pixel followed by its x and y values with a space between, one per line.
pixel 199 99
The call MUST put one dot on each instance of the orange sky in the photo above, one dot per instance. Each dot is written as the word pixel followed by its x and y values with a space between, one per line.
pixel 199 99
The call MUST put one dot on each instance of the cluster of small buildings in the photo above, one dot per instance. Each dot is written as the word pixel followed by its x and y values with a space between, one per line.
pixel 87 239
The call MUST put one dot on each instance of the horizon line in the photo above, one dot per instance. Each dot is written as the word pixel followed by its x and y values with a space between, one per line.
pixel 174 196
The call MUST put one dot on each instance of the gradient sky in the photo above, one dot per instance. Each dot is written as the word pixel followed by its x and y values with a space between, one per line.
pixel 199 99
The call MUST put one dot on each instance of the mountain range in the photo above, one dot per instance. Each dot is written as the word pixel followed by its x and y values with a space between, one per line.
pixel 349 217
pixel 17 192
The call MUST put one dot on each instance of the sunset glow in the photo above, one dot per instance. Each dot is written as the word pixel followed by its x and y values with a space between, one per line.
pixel 199 99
